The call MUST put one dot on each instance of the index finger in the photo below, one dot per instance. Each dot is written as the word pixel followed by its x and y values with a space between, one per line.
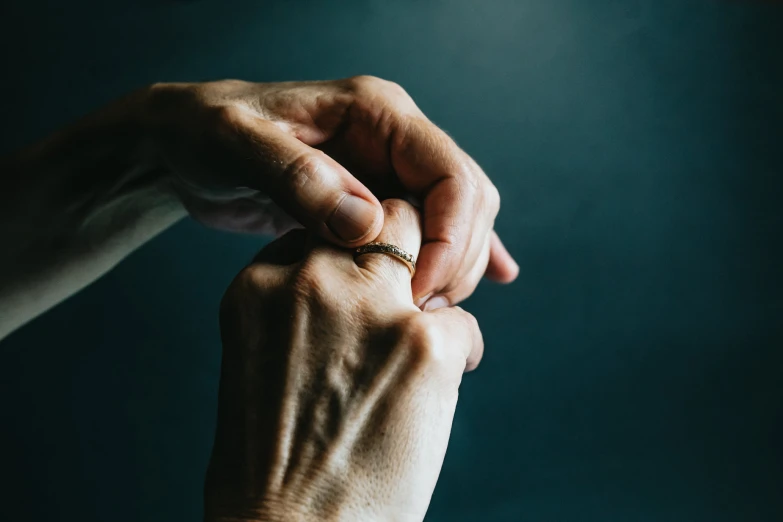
pixel 429 163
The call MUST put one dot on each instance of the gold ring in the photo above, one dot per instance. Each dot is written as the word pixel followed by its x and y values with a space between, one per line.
pixel 389 249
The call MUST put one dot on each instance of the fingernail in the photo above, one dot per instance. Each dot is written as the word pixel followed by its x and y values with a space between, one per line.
pixel 435 303
pixel 421 300
pixel 353 219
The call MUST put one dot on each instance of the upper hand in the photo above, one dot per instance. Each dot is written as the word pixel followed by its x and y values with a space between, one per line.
pixel 324 152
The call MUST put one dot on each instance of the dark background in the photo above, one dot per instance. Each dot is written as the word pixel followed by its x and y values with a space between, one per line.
pixel 633 373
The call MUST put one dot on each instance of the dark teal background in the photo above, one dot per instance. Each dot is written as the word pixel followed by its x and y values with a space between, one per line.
pixel 633 373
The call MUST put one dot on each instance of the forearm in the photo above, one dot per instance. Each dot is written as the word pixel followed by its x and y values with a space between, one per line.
pixel 74 205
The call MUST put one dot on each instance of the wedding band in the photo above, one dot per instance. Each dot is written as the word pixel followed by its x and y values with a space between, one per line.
pixel 388 249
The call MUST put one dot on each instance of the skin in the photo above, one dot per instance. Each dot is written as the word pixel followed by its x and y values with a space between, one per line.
pixel 340 376
pixel 337 393
pixel 250 157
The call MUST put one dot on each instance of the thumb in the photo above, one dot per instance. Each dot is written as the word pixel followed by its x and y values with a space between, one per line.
pixel 311 186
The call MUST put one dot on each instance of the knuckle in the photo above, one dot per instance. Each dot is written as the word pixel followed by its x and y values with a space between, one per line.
pixel 423 340
pixel 252 278
pixel 365 82
pixel 227 85
pixel 373 86
pixel 251 285
pixel 228 118
pixel 301 171
pixel 471 182
pixel 395 88
pixel 470 319
pixel 475 336
pixel 397 208
pixel 311 282
pixel 491 196
pixel 452 235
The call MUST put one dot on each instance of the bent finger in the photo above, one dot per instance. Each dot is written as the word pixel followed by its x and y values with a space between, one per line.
pixel 501 268
pixel 462 330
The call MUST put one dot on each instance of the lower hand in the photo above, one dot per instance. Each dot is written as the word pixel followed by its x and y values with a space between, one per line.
pixel 337 393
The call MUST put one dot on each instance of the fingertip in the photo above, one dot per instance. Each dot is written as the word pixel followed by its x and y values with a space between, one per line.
pixel 502 273
pixel 421 301
pixel 501 267
pixel 435 303
pixel 421 286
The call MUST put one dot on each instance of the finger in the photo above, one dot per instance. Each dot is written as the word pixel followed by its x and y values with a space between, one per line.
pixel 501 268
pixel 285 250
pixel 462 330
pixel 401 228
pixel 305 182
pixel 431 165
pixel 464 286
pixel 466 283
pixel 446 238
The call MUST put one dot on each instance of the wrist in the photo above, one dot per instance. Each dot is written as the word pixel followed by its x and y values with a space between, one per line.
pixel 98 171
pixel 75 204
pixel 122 168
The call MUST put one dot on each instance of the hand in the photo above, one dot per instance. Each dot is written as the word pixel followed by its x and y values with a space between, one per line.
pixel 324 152
pixel 337 393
